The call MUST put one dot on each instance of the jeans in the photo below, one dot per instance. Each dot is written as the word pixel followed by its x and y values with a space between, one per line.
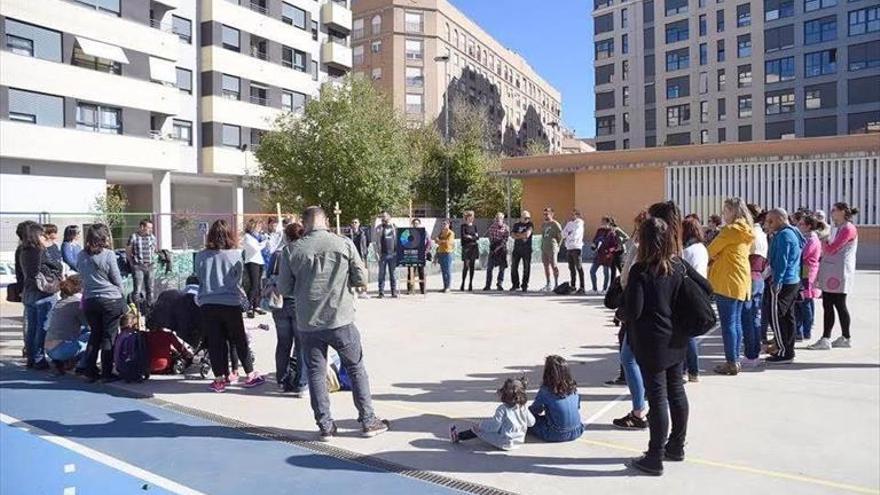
pixel 730 313
pixel 633 376
pixel 490 266
pixel 346 341
pixel 70 349
pixel 605 275
pixel 445 260
pixel 142 281
pixel 387 263
pixel 103 316
pixel 666 398
pixel 806 311
pixel 751 321
pixel 288 348
pixel 37 315
pixel 575 268
pixel 526 259
pixel 693 357
pixel 222 325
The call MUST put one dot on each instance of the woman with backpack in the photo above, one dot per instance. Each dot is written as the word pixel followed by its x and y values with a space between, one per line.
pixel 40 278
pixel 103 301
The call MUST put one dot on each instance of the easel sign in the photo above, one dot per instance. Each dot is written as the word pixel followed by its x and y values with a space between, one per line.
pixel 411 246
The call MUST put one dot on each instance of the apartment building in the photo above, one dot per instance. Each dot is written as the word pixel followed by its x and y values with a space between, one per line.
pixel 677 72
pixel 165 97
pixel 420 51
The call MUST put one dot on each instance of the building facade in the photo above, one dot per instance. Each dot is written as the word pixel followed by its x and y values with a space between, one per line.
pixel 167 98
pixel 420 51
pixel 675 72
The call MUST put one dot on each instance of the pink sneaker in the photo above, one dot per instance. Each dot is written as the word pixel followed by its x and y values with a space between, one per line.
pixel 255 380
pixel 232 378
pixel 218 386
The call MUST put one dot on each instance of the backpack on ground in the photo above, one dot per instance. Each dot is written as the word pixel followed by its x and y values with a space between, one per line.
pixel 563 289
pixel 131 355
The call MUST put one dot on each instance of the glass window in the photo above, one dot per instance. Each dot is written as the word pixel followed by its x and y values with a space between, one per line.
pixel 97 118
pixel 413 22
pixel 32 41
pixel 779 38
pixel 231 135
pixel 721 80
pixel 230 38
pixel 624 70
pixel 704 136
pixel 744 76
pixel 721 52
pixel 820 30
pixel 294 16
pixel 357 55
pixel 259 94
pixel 778 9
pixel 605 100
pixel 722 109
pixel 230 87
pixel 80 59
pixel 677 31
pixel 781 69
pixel 376 24
pixel 864 55
pixel 605 125
pixel 314 30
pixel 624 18
pixel 625 96
pixel 704 83
pixel 184 79
pixel 414 103
pixel 678 139
pixel 678 115
pixel 181 130
pixel 300 61
pixel 376 46
pixel 603 23
pixel 624 44
pixel 316 71
pixel 182 27
pixel 719 21
pixel 106 6
pixel 674 7
pixel 744 45
pixel 744 104
pixel 604 49
pixel 776 102
pixel 864 21
pixel 704 54
pixel 376 74
pixel 413 50
pixel 357 29
pixel 677 60
pixel 820 96
pixel 293 101
pixel 36 108
pixel 604 74
pixel 648 11
pixel 811 5
pixel 744 15
pixel 678 87
pixel 722 134
pixel 703 25
pixel 820 63
pixel 414 77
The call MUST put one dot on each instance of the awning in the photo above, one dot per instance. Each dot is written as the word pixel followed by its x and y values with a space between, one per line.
pixel 101 50
pixel 163 70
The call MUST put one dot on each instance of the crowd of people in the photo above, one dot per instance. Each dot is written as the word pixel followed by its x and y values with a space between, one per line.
pixel 763 270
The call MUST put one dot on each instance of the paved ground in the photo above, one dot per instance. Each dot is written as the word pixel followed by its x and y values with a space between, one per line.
pixel 811 427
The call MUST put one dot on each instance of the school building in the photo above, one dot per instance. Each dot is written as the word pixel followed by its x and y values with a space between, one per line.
pixel 791 173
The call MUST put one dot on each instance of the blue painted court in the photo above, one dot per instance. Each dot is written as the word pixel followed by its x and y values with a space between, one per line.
pixel 64 437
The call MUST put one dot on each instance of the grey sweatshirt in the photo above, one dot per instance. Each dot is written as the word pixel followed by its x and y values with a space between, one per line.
pixel 219 275
pixel 66 319
pixel 100 275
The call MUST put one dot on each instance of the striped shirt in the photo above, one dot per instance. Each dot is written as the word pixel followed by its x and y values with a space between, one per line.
pixel 143 247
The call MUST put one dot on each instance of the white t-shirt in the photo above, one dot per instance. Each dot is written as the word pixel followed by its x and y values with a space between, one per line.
pixel 760 246
pixel 573 234
pixel 253 249
pixel 698 257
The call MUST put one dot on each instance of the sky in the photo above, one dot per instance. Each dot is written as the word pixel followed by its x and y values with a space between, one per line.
pixel 556 38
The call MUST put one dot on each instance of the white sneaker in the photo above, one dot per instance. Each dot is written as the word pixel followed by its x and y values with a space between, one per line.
pixel 822 344
pixel 546 288
pixel 841 342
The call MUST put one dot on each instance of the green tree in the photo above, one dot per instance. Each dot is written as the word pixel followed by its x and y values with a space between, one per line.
pixel 110 207
pixel 349 146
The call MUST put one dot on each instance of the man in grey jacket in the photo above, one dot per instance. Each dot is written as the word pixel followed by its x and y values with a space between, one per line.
pixel 385 246
pixel 327 268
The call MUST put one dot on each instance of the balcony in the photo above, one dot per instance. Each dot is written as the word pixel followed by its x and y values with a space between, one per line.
pixel 32 142
pixel 336 16
pixel 336 55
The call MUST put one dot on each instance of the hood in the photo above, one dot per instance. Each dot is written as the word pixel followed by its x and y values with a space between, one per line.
pixel 741 230
pixel 802 241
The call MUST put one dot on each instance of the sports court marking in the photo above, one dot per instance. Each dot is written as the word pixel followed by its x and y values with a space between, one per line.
pixel 105 459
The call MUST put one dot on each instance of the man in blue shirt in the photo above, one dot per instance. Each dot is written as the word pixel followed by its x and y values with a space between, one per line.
pixel 785 265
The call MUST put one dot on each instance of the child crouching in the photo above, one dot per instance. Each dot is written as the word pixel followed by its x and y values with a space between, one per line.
pixel 67 333
pixel 506 430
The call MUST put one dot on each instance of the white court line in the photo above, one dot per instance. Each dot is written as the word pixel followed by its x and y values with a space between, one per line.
pixel 112 462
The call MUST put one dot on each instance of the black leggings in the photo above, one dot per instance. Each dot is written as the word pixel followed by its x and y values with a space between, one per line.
pixel 830 302
pixel 254 274
pixel 222 325
pixel 467 273
pixel 575 267
pixel 467 435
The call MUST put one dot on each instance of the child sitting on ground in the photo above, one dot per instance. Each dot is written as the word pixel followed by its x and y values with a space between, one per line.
pixel 67 333
pixel 557 405
pixel 507 429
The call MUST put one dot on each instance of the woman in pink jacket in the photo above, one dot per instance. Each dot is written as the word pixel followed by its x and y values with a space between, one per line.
pixel 806 308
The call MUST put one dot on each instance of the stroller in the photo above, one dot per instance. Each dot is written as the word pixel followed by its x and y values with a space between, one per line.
pixel 177 311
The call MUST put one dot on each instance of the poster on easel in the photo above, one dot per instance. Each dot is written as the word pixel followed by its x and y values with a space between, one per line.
pixel 411 242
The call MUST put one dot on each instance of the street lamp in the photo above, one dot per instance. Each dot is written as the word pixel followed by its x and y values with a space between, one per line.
pixel 445 60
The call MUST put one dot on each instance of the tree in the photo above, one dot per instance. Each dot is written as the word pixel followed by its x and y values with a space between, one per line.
pixel 110 206
pixel 349 146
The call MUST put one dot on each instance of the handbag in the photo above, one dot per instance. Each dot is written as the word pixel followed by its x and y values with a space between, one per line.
pixel 13 292
pixel 693 314
pixel 614 296
pixel 49 284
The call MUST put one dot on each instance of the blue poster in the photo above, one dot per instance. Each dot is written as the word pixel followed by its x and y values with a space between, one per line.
pixel 411 246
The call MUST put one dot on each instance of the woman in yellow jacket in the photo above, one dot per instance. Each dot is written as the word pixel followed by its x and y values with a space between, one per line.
pixel 445 247
pixel 730 275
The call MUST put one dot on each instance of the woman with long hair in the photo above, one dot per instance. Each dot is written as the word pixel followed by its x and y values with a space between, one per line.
pixel 696 255
pixel 470 250
pixel 70 246
pixel 809 226
pixel 837 271
pixel 253 264
pixel 103 300
pixel 39 272
pixel 219 268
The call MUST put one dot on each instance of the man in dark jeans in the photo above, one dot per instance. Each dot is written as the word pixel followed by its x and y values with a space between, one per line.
pixel 385 246
pixel 140 250
pixel 326 268
pixel 361 239
pixel 785 263
pixel 522 251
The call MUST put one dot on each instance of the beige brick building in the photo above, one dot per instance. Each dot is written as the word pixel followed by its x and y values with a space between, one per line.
pixel 397 44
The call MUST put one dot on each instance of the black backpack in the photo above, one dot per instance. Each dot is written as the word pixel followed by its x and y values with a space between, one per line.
pixel 693 314
pixel 563 289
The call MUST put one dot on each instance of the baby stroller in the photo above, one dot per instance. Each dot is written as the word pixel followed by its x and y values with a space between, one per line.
pixel 177 311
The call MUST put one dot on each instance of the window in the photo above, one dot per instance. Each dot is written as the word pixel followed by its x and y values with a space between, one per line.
pixel 106 6
pixel 259 47
pixel 598 4
pixel 779 130
pixel 864 21
pixel 781 69
pixel 704 112
pixel 703 25
pixel 414 77
pixel 863 90
pixel 231 135
pixel 231 38
pixel 678 115
pixel 821 126
pixel 704 136
pixel 357 55
pixel 704 83
pixel 744 76
pixel 779 38
pixel 820 30
pixel 33 41
pixel 719 21
pixel 721 80
pixel 648 11
pixel 811 5
pixel 357 29
pixel 184 80
pixel 820 63
pixel 314 30
pixel 605 100
pixel 704 54
pixel 677 60
pixel 604 74
pixel 863 122
pixel 294 16
pixel 98 118
pixel 300 61
pixel 674 7
pixel 776 102
pixel 743 15
pixel 376 46
pixel 722 109
pixel 649 68
pixel 744 133
pixel 413 22
pixel 651 119
pixel 316 71
pixel 744 105
pixel 624 44
pixel 605 125
pixel 36 108
pixel 230 87
pixel 624 18
pixel 678 139
pixel 376 25
pixel 864 55
pixel 625 125
pixel 744 45
pixel 605 49
pixel 293 101
pixel 677 31
pixel 721 52
pixel 603 24
pixel 259 94
pixel 414 104
pixel 678 87
pixel 376 74
pixel 778 9
pixel 413 49
pixel 820 96
pixel 722 134
pixel 649 94
pixel 625 96
pixel 80 59
pixel 181 130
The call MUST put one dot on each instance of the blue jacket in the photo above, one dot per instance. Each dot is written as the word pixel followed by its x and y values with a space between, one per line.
pixel 785 256
pixel 558 418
